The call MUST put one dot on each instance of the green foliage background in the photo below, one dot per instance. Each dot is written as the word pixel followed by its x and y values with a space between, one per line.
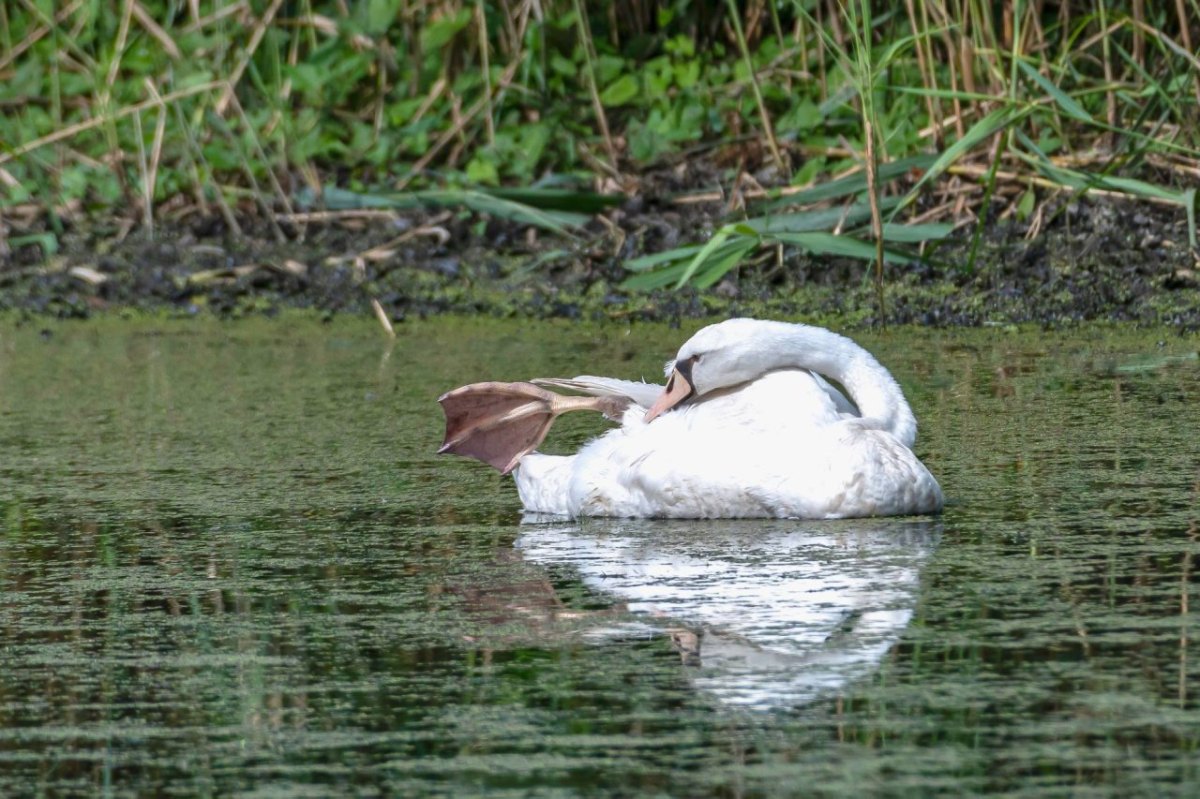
pixel 108 102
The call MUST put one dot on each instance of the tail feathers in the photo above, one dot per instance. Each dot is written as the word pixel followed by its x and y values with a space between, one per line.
pixel 543 483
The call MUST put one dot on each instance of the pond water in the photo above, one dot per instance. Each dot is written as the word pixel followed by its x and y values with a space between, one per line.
pixel 231 565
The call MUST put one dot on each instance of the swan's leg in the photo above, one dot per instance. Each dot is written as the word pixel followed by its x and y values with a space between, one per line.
pixel 499 423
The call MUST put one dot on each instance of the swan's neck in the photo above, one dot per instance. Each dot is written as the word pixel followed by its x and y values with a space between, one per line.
pixel 872 388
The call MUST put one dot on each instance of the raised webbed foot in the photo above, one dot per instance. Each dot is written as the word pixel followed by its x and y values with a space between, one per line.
pixel 499 423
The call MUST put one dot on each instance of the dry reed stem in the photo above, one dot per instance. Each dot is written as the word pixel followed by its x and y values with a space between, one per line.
pixel 69 41
pixel 598 107
pixel 8 181
pixel 381 91
pixel 114 66
pixel 143 169
pixel 1139 39
pixel 763 113
pixel 256 37
pixel 227 212
pixel 943 25
pixel 431 97
pixel 104 119
pixel 599 165
pixel 160 130
pixel 258 195
pixel 35 35
pixel 381 315
pixel 1174 164
pixel 1186 35
pixel 337 216
pixel 1185 51
pixel 941 211
pixel 487 73
pixel 975 171
pixel 199 23
pixel 1110 96
pixel 455 129
pixel 1099 36
pixel 928 78
pixel 456 119
pixel 318 22
pixel 872 157
pixel 156 32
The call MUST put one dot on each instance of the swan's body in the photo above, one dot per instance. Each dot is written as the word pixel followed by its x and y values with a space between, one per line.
pixel 746 427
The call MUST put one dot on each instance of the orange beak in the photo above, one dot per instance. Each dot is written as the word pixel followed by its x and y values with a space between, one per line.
pixel 678 389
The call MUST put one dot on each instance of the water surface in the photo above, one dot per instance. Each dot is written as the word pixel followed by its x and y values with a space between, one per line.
pixel 230 564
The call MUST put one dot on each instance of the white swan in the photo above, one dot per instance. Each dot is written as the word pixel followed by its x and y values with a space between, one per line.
pixel 745 427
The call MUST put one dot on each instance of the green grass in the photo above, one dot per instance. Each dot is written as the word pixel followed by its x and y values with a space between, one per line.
pixel 141 109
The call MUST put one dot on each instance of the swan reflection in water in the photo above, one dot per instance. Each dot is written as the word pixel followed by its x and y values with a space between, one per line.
pixel 768 614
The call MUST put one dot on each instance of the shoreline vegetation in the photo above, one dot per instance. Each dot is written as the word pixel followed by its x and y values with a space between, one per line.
pixel 931 162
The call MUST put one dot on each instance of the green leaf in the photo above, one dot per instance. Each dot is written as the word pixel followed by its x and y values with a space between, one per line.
pixel 1064 100
pixel 646 142
pixel 47 241
pixel 1026 204
pixel 981 130
pixel 480 201
pixel 803 117
pixel 652 260
pixel 1082 181
pixel 725 259
pixel 841 217
pixel 687 75
pixel 849 185
pixel 482 170
pixel 381 14
pixel 821 219
pixel 912 234
pixel 847 246
pixel 586 202
pixel 621 91
pixel 563 65
pixel 716 264
pixel 654 280
pixel 443 29
pixel 705 253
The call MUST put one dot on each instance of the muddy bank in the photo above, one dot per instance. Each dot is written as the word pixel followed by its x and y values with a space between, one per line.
pixel 1090 260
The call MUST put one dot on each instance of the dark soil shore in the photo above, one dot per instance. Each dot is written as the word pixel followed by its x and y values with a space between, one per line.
pixel 1090 260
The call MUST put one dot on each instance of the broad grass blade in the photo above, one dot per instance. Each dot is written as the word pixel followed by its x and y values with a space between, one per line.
pixel 583 202
pixel 829 244
pixel 725 259
pixel 985 127
pixel 655 280
pixel 644 262
pixel 850 185
pixel 1065 101
pixel 912 234
pixel 477 200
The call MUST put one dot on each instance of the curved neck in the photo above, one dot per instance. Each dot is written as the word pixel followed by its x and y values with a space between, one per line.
pixel 878 396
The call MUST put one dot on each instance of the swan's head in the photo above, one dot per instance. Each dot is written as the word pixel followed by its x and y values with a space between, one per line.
pixel 725 354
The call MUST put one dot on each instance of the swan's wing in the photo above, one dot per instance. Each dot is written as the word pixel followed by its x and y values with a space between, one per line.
pixel 643 394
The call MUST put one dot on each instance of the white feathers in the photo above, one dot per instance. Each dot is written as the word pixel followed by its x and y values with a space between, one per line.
pixel 763 437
